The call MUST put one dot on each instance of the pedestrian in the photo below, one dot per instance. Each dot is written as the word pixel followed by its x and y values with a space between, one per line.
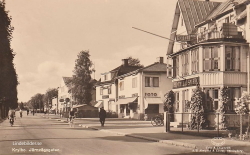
pixel 102 116
pixel 21 113
pixel 33 112
pixel 28 112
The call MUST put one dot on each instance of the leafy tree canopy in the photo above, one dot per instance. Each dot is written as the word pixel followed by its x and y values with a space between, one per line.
pixel 81 81
pixel 134 61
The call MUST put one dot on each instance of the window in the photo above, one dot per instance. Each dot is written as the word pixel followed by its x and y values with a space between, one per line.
pixel 185 100
pixel 212 99
pixel 195 61
pixel 177 102
pixel 134 82
pixel 101 91
pixel 151 81
pixel 109 89
pixel 234 95
pixel 155 81
pixel 211 59
pixel 184 60
pixel 121 85
pixel 147 81
pixel 232 58
pixel 105 77
pixel 175 66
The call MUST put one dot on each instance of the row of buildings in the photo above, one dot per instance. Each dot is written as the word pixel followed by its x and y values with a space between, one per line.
pixel 209 46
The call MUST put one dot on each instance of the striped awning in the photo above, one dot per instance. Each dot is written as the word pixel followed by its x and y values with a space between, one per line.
pixel 99 104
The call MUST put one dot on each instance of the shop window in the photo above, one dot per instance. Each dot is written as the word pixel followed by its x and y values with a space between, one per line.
pixel 232 58
pixel 212 99
pixel 134 82
pixel 185 100
pixel 152 109
pixel 195 61
pixel 121 85
pixel 155 81
pixel 211 59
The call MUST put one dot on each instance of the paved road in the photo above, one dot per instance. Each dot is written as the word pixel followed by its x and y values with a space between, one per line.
pixel 58 138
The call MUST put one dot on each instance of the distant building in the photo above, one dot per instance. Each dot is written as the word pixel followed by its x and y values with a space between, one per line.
pixel 64 94
pixel 142 91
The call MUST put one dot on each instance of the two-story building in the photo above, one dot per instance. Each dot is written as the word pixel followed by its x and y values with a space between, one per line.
pixel 107 86
pixel 142 91
pixel 209 47
pixel 64 95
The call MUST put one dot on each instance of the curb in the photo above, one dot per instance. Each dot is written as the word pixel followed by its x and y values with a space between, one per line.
pixel 168 142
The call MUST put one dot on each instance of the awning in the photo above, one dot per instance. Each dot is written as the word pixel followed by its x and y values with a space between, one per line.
pixel 153 100
pixel 126 100
pixel 99 104
pixel 77 106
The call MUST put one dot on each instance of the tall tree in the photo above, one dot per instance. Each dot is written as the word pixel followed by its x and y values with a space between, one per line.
pixel 37 101
pixel 134 61
pixel 49 95
pixel 81 81
pixel 8 76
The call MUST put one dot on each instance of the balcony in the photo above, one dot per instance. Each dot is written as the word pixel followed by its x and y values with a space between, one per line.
pixel 223 78
pixel 219 36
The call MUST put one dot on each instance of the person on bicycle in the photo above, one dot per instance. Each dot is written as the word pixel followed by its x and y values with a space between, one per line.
pixel 11 115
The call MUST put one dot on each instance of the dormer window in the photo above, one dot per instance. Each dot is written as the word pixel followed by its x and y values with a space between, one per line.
pixel 105 77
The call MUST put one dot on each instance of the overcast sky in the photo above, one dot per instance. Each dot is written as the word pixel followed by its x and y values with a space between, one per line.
pixel 49 34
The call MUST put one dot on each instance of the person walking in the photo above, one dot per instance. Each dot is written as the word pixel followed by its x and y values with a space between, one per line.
pixel 28 112
pixel 102 116
pixel 21 113
pixel 33 112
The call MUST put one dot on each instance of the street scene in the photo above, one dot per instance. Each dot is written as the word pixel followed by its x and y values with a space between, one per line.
pixel 124 77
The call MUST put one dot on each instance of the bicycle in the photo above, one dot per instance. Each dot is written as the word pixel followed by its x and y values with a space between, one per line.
pixel 71 122
pixel 157 120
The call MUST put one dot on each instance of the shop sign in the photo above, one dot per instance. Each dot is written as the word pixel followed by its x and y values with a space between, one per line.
pixel 186 82
pixel 151 94
pixel 185 38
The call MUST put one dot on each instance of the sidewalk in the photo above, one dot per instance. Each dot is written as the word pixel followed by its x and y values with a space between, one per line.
pixel 144 130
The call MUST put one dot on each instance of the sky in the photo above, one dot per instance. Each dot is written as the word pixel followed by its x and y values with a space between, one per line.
pixel 49 34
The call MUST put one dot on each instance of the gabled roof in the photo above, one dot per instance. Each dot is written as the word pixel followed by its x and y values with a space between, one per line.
pixel 155 67
pixel 224 7
pixel 119 71
pixel 67 81
pixel 193 12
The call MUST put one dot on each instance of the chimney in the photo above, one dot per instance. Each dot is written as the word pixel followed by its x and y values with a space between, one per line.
pixel 160 60
pixel 125 62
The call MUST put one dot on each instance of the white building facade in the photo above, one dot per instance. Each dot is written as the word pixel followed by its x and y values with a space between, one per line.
pixel 142 91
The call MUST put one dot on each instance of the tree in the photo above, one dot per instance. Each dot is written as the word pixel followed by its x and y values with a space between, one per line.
pixel 81 81
pixel 134 61
pixel 8 76
pixel 198 120
pixel 37 101
pixel 169 104
pixel 49 95
pixel 222 109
